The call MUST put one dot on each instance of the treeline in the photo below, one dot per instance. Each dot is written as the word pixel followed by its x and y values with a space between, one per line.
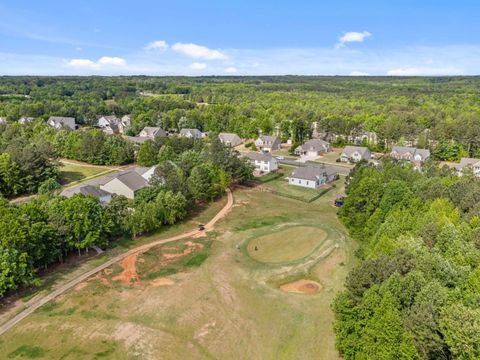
pixel 416 292
pixel 437 113
pixel 28 153
pixel 43 231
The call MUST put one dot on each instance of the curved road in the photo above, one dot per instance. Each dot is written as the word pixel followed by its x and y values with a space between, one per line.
pixel 140 249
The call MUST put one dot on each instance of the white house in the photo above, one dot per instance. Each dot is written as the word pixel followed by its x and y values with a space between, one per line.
pixel 58 122
pixel 268 143
pixel 147 175
pixel 312 176
pixel 263 162
pixel 126 184
pixel 25 120
pixel 111 124
pixel 230 139
pixel 355 154
pixel 192 133
pixel 313 147
pixel 473 164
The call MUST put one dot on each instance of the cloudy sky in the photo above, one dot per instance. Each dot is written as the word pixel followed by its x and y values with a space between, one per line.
pixel 240 37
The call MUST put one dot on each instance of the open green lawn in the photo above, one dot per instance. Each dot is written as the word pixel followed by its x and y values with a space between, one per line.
pixel 222 305
pixel 286 245
pixel 70 173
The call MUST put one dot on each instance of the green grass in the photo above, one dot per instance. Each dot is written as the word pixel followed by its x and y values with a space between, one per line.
pixel 261 222
pixel 70 173
pixel 286 245
pixel 27 352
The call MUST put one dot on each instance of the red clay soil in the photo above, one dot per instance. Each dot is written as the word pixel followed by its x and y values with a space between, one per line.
pixel 129 274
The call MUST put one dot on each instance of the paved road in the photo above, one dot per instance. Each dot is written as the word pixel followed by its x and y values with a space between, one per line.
pixel 140 249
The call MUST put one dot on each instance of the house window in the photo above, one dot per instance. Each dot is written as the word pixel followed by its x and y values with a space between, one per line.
pixel 299 181
pixel 307 182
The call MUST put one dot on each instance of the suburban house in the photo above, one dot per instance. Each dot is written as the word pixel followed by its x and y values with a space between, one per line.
pixel 111 124
pixel 355 154
pixel 230 139
pixel 263 162
pixel 88 190
pixel 416 156
pixel 268 143
pixel 192 133
pixel 147 175
pixel 58 122
pixel 25 120
pixel 151 132
pixel 312 176
pixel 126 184
pixel 313 147
pixel 471 163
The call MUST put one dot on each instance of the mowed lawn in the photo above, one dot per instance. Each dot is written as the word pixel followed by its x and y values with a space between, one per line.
pixel 286 245
pixel 70 173
pixel 226 306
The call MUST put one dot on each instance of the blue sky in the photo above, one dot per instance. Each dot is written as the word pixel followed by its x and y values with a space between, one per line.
pixel 106 37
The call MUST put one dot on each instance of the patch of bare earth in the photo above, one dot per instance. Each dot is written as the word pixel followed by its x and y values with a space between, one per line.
pixel 163 281
pixel 302 286
pixel 129 274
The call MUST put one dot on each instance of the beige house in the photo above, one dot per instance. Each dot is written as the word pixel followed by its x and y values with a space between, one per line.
pixel 126 184
pixel 230 139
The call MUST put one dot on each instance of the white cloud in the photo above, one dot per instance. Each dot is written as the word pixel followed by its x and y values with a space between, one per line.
pixel 89 64
pixel 113 61
pixel 199 52
pixel 424 71
pixel 198 66
pixel 352 36
pixel 157 45
pixel 231 70
pixel 82 63
pixel 359 73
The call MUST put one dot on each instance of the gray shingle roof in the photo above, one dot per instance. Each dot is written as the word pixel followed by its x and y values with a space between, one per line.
pixel 192 132
pixel 312 172
pixel 349 150
pixel 259 156
pixel 93 191
pixel 133 180
pixel 268 138
pixel 468 162
pixel 314 145
pixel 230 138
pixel 62 121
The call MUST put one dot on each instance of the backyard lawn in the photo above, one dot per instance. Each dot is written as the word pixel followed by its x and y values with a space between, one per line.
pixel 70 173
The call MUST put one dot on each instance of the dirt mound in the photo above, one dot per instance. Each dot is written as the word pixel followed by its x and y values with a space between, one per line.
pixel 302 286
pixel 162 282
pixel 129 274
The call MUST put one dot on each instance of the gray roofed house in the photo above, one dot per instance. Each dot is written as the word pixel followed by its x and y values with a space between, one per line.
pixel 355 153
pixel 230 139
pixel 312 176
pixel 263 162
pixel 471 163
pixel 313 147
pixel 58 122
pixel 268 143
pixel 126 184
pixel 25 120
pixel 191 133
pixel 416 156
pixel 152 132
pixel 88 190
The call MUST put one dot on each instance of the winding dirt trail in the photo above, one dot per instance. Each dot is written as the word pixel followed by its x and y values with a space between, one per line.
pixel 138 250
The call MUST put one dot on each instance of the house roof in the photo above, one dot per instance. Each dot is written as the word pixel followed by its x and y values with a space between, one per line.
pixel 468 162
pixel 93 191
pixel 314 145
pixel 229 137
pixel 112 119
pixel 133 180
pixel 425 153
pixel 403 150
pixel 62 120
pixel 349 150
pixel 268 138
pixel 312 172
pixel 152 131
pixel 192 132
pixel 259 156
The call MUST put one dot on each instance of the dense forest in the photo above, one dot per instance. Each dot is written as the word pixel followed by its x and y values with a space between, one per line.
pixel 440 112
pixel 41 232
pixel 416 292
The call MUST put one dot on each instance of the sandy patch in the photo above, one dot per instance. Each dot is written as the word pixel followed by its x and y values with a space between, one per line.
pixel 81 286
pixel 129 274
pixel 302 286
pixel 204 330
pixel 162 282
pixel 190 249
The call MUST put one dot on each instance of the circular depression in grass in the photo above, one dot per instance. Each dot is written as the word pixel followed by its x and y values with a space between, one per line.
pixel 286 245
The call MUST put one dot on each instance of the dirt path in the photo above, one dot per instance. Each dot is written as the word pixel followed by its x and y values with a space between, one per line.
pixel 138 250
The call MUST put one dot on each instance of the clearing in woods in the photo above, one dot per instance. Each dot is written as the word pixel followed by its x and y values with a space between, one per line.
pixel 208 297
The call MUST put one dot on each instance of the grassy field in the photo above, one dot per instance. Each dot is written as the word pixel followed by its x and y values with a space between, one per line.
pixel 222 304
pixel 70 172
pixel 286 245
